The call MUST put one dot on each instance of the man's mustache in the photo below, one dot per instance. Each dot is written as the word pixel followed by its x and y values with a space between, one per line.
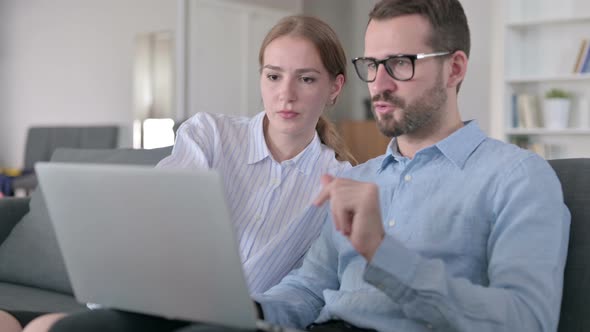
pixel 389 98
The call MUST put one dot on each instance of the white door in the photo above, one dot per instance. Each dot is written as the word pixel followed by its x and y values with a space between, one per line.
pixel 222 70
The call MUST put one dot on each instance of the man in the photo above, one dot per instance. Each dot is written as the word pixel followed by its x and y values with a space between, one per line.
pixel 449 230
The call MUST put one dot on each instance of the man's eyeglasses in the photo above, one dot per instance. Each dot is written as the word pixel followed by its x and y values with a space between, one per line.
pixel 399 66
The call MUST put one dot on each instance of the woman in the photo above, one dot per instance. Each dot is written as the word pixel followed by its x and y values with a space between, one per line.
pixel 274 161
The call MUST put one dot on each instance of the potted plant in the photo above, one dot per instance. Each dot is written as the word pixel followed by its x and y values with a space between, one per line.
pixel 556 108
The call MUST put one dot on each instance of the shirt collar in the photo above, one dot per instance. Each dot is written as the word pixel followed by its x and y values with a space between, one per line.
pixel 457 147
pixel 305 161
pixel 258 150
pixel 391 155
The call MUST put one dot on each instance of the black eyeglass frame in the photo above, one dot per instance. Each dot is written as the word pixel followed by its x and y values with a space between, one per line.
pixel 412 57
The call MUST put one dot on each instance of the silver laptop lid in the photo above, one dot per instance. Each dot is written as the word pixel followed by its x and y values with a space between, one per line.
pixel 154 241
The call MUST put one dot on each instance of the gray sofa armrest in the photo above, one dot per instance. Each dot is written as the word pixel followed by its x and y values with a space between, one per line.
pixel 11 211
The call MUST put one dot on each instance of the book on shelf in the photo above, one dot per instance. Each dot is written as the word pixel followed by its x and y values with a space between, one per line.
pixel 525 111
pixel 582 64
pixel 586 65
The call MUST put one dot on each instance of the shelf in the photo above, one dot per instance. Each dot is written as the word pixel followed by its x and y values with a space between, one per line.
pixel 547 132
pixel 549 78
pixel 540 45
pixel 547 21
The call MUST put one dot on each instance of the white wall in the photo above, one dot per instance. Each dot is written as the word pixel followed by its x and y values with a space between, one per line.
pixel 70 62
pixel 474 97
pixel 359 21
pixel 496 103
pixel 216 32
pixel 288 5
pixel 337 14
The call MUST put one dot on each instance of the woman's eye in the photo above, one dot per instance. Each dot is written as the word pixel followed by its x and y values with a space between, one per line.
pixel 272 77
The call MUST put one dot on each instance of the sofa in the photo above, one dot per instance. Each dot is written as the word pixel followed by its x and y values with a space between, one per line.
pixel 42 142
pixel 33 277
pixel 32 272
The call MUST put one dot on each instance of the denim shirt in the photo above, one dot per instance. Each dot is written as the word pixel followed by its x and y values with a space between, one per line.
pixel 476 240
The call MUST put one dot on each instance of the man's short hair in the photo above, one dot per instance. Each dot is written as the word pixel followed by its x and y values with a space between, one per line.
pixel 450 31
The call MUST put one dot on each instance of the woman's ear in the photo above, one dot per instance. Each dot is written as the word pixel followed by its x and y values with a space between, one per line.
pixel 458 69
pixel 337 86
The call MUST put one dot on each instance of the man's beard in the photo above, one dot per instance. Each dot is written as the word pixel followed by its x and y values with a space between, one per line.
pixel 421 114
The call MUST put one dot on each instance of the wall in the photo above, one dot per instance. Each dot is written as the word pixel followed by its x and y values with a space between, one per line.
pixel 4 137
pixel 497 71
pixel 217 31
pixel 359 21
pixel 288 5
pixel 474 97
pixel 70 62
pixel 333 12
pixel 349 19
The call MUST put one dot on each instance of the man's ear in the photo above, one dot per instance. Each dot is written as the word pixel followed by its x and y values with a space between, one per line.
pixel 458 69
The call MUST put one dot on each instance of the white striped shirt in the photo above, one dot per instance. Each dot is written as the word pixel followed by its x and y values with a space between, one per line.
pixel 270 202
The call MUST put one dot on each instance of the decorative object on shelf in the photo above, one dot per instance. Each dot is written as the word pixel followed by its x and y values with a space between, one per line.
pixel 556 109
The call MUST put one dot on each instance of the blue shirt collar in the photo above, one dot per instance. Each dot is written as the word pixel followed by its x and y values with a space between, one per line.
pixel 457 147
pixel 461 144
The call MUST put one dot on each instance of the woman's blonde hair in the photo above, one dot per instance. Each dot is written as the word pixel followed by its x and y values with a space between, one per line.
pixel 333 58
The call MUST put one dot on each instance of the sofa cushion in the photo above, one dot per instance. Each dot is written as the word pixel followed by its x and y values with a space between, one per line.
pixel 17 297
pixel 12 210
pixel 30 255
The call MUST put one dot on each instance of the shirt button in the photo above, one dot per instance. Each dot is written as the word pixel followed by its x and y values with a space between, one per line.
pixel 429 326
pixel 391 223
pixel 408 178
pixel 257 217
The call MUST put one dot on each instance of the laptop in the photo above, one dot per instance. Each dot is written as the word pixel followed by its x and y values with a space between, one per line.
pixel 148 240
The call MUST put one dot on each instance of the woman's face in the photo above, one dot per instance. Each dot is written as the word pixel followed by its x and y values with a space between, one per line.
pixel 295 86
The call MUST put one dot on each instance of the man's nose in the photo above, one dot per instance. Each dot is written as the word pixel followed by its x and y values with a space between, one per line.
pixel 383 82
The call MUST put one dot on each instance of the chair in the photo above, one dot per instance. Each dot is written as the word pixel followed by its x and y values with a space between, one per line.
pixel 574 175
pixel 42 141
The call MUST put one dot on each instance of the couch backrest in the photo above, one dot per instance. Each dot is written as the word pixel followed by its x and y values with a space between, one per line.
pixel 43 141
pixel 574 175
pixel 30 254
